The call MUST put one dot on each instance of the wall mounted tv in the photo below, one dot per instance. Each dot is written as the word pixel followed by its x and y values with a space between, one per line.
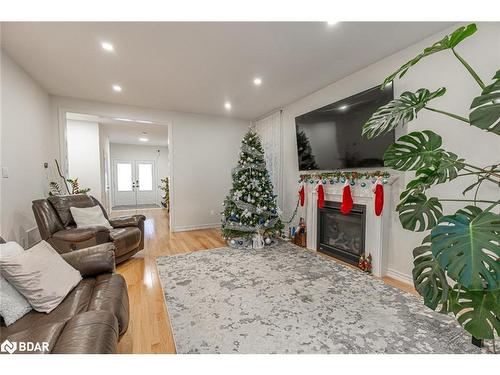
pixel 329 138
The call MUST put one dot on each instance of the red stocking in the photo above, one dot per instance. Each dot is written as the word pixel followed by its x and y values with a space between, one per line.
pixel 347 202
pixel 321 195
pixel 301 194
pixel 379 197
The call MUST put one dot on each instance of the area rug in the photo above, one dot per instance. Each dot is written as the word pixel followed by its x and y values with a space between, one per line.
pixel 290 300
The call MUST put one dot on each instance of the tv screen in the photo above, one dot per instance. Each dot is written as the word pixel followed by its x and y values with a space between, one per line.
pixel 330 138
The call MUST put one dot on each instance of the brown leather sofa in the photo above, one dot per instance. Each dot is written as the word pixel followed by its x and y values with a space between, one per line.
pixel 92 317
pixel 57 227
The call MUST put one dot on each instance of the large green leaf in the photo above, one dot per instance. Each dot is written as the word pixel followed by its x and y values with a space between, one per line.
pixel 445 169
pixel 448 42
pixel 477 311
pixel 429 279
pixel 414 151
pixel 486 108
pixel 467 247
pixel 399 111
pixel 417 213
pixel 415 187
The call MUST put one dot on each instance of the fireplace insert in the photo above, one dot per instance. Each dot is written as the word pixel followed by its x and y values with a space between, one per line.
pixel 342 236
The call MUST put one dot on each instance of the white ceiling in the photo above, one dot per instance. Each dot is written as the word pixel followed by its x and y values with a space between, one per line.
pixel 127 131
pixel 196 67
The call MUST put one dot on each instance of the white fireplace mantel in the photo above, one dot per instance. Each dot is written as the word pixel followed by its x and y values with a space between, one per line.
pixel 376 229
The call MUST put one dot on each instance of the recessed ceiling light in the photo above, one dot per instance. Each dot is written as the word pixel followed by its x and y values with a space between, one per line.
pixel 331 23
pixel 107 46
pixel 117 88
pixel 257 81
pixel 143 139
pixel 227 105
pixel 343 107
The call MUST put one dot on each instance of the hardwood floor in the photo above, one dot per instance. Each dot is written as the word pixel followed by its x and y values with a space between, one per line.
pixel 149 330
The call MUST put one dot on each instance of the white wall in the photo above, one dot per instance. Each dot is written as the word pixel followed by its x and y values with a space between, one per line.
pixel 84 163
pixel 203 150
pixel 105 168
pixel 136 152
pixel 28 141
pixel 478 147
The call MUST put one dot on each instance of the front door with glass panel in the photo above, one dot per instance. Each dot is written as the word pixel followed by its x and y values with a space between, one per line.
pixel 133 182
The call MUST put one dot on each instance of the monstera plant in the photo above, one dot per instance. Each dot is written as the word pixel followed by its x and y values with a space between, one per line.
pixel 457 267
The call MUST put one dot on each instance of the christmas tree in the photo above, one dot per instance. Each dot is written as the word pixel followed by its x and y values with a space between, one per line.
pixel 307 162
pixel 250 208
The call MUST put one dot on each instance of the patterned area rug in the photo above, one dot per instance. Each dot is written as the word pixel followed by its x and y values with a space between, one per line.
pixel 289 300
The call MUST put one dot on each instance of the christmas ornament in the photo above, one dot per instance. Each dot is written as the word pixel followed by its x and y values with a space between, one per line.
pixel 347 203
pixel 379 197
pixel 268 241
pixel 321 195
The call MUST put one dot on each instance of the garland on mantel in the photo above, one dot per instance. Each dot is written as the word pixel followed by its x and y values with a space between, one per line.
pixel 342 177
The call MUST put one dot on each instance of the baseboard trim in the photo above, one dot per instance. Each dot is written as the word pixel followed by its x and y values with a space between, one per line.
pixel 400 276
pixel 195 227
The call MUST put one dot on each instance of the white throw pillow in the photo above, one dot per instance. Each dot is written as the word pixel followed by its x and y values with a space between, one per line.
pixel 41 275
pixel 89 217
pixel 13 305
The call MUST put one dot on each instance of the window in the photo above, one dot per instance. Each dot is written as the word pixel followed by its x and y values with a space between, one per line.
pixel 145 177
pixel 124 176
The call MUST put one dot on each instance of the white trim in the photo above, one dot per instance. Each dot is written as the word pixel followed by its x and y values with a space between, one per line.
pixel 400 276
pixel 195 227
pixel 171 192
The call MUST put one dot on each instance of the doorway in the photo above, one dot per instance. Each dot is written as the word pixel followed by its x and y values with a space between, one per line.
pixel 133 184
pixel 124 163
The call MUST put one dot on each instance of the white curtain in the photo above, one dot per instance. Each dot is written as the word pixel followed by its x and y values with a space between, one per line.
pixel 270 130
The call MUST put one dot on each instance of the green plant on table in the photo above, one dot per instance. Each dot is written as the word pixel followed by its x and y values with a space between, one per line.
pixel 457 267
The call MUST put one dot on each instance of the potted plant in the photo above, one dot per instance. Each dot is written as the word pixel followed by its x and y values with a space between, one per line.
pixel 457 267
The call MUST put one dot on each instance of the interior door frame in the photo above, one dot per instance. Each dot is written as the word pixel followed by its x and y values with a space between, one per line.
pixel 63 106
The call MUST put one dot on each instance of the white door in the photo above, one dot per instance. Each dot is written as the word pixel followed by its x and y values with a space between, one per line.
pixel 134 182
pixel 123 183
pixel 145 182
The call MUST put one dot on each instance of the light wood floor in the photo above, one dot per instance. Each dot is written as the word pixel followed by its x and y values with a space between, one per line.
pixel 149 330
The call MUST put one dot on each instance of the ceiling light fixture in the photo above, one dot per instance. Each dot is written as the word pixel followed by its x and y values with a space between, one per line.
pixel 332 23
pixel 145 122
pixel 123 119
pixel 343 107
pixel 257 81
pixel 107 46
pixel 143 139
pixel 227 105
pixel 117 88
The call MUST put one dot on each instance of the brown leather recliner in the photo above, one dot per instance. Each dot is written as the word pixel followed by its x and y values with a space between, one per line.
pixel 92 317
pixel 57 227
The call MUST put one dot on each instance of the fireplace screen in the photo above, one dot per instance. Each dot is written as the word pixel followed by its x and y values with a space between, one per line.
pixel 342 235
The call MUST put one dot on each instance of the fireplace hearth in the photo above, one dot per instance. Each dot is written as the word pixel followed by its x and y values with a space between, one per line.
pixel 342 236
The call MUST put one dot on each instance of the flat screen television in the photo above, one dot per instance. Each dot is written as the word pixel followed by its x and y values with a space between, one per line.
pixel 329 138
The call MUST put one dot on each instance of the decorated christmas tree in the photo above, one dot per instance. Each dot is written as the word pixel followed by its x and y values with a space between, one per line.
pixel 250 210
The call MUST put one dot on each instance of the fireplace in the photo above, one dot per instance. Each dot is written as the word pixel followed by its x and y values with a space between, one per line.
pixel 342 236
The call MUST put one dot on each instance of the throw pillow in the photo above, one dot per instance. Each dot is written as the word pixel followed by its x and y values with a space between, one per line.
pixel 89 217
pixel 41 275
pixel 13 305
